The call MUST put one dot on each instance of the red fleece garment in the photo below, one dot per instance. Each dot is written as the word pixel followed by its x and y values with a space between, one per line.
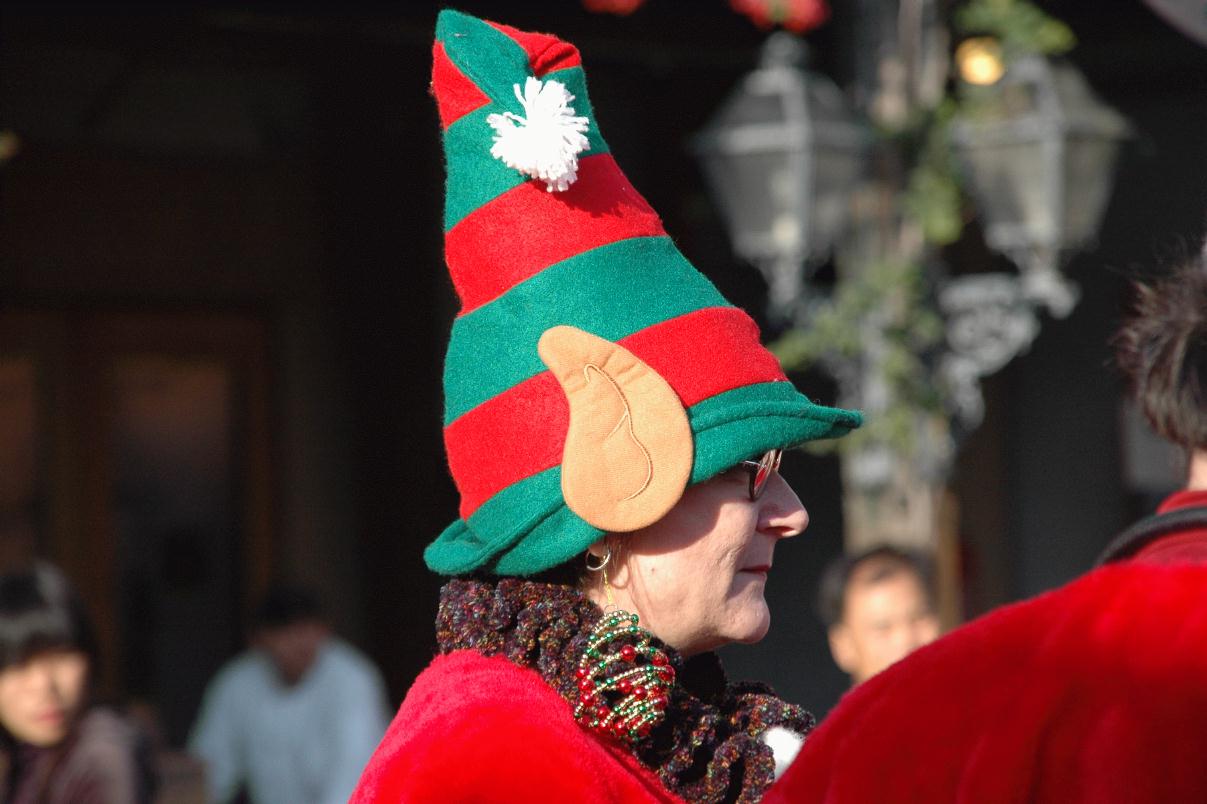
pixel 1095 692
pixel 478 729
pixel 1183 547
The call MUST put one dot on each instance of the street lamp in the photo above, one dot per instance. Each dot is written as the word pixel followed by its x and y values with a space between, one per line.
pixel 782 156
pixel 1039 151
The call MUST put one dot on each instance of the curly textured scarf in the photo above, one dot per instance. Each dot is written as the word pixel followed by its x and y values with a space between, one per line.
pixel 707 749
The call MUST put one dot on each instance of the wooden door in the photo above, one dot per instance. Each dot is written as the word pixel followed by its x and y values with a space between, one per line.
pixel 135 454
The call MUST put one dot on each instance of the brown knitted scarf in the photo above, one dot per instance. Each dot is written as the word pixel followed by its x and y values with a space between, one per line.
pixel 708 748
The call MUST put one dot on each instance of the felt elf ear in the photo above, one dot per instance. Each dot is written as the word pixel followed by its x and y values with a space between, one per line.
pixel 628 452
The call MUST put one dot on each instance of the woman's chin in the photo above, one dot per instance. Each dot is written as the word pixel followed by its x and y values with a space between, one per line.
pixel 753 626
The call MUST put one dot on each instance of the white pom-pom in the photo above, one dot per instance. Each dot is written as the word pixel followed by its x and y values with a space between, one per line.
pixel 546 141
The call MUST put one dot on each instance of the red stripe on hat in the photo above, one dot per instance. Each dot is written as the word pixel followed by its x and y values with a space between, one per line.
pixel 546 52
pixel 527 229
pixel 513 436
pixel 522 431
pixel 706 352
pixel 456 95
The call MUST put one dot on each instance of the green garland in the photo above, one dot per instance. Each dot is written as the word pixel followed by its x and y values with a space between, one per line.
pixel 896 294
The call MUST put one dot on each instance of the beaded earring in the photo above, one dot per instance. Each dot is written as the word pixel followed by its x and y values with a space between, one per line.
pixel 624 682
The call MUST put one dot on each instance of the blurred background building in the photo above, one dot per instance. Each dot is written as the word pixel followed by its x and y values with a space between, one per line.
pixel 223 312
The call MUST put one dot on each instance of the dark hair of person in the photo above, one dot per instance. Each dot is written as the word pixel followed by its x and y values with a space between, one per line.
pixel 39 611
pixel 881 563
pixel 284 605
pixel 1162 350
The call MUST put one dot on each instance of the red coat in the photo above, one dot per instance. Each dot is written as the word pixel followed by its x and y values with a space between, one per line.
pixel 1189 545
pixel 478 729
pixel 1095 692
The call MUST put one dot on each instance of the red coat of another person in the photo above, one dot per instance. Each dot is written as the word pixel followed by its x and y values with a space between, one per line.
pixel 478 729
pixel 1095 692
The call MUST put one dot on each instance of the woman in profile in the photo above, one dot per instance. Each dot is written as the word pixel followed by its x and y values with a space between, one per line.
pixel 615 429
pixel 55 747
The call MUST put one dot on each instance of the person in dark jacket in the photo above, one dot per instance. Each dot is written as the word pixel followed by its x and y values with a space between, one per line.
pixel 1095 692
pixel 1163 351
pixel 55 747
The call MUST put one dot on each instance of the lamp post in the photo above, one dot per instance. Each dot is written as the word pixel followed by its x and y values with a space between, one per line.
pixel 1039 152
pixel 908 339
pixel 781 156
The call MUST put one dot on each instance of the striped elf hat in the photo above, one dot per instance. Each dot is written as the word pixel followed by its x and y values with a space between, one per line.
pixel 592 372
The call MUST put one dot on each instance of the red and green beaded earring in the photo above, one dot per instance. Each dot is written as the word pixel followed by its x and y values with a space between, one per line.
pixel 624 681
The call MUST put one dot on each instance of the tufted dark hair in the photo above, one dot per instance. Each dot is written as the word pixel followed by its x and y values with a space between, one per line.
pixel 880 563
pixel 287 604
pixel 1162 350
pixel 40 611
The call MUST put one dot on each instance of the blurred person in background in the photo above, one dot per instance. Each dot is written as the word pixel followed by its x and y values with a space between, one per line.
pixel 295 718
pixel 55 746
pixel 878 607
pixel 1094 692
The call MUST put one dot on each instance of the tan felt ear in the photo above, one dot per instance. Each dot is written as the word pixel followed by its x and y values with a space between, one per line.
pixel 628 452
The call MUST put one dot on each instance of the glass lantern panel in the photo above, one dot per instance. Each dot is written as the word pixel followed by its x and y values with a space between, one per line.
pixel 1089 176
pixel 755 190
pixel 750 108
pixel 1011 184
pixel 835 175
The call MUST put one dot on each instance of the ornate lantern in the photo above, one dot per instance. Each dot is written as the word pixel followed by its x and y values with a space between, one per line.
pixel 782 156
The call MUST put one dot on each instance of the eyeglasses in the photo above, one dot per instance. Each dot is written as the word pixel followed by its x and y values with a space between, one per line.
pixel 760 471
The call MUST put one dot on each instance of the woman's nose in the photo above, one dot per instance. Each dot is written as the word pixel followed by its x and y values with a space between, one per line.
pixel 782 514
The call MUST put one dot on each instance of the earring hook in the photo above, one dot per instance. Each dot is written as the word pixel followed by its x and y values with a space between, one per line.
pixel 602 567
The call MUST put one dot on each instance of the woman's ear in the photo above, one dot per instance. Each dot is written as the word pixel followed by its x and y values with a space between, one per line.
pixel 628 451
pixel 598 550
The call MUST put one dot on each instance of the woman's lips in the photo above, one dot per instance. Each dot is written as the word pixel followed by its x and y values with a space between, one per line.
pixel 757 569
pixel 50 717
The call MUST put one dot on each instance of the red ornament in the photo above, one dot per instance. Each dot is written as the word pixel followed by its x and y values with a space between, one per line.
pixel 797 16
pixel 619 7
pixel 621 684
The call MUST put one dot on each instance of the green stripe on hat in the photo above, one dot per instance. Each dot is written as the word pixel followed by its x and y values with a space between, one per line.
pixel 496 64
pixel 529 528
pixel 605 291
pixel 576 84
pixel 748 421
pixel 490 58
pixel 467 545
pixel 475 177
